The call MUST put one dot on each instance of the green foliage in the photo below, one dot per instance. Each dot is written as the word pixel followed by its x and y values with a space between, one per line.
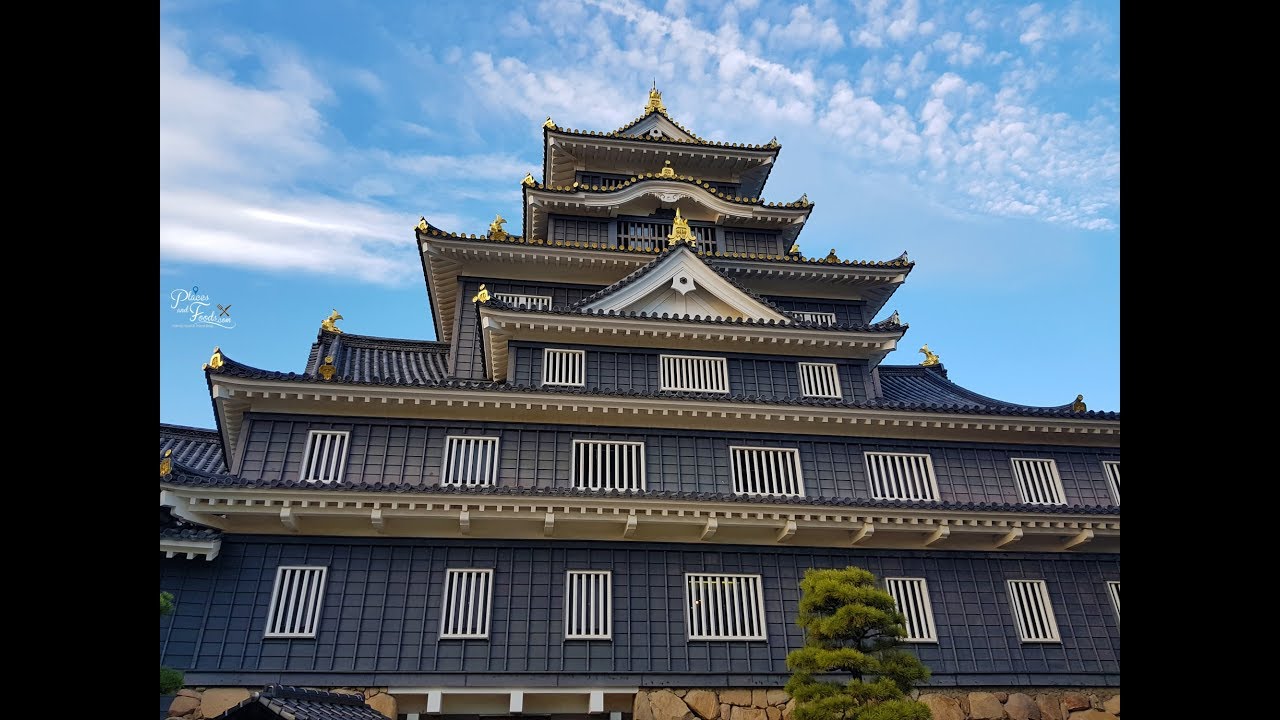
pixel 166 603
pixel 170 680
pixel 851 626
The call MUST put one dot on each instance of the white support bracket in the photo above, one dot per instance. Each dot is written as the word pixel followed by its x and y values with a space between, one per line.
pixel 595 703
pixel 464 522
pixel 288 519
pixel 862 534
pixel 709 530
pixel 632 523
pixel 548 528
pixel 788 531
pixel 942 533
pixel 517 702
pixel 376 520
pixel 1078 539
pixel 1009 538
pixel 433 698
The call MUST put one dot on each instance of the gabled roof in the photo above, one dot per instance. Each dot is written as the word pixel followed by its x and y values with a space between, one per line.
pixel 917 384
pixel 196 448
pixel 294 703
pixel 365 358
pixel 801 204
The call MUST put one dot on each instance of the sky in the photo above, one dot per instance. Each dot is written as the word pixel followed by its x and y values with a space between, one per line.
pixel 299 144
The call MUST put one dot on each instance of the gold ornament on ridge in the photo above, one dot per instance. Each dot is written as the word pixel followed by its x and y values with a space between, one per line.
pixel 495 228
pixel 482 296
pixel 327 369
pixel 680 232
pixel 930 359
pixel 328 325
pixel 1078 405
pixel 166 463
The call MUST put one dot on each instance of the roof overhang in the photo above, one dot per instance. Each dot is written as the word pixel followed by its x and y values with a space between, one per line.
pixel 613 517
pixel 499 327
pixel 174 547
pixel 565 153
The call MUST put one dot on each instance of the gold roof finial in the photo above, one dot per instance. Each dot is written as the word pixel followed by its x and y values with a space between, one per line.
pixel 930 359
pixel 655 100
pixel 166 463
pixel 495 228
pixel 680 232
pixel 895 319
pixel 831 256
pixel 215 362
pixel 482 296
pixel 549 124
pixel 795 249
pixel 528 179
pixel 422 223
pixel 1078 405
pixel 667 170
pixel 327 324
pixel 327 369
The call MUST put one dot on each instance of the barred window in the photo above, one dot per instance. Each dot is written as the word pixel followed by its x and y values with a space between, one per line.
pixel 819 380
pixel 1113 588
pixel 766 471
pixel 533 302
pixel 1038 481
pixel 816 317
pixel 295 601
pixel 724 606
pixel 470 461
pixel 748 241
pixel 325 456
pixel 912 598
pixel 588 605
pixel 1112 468
pixel 468 598
pixel 1032 612
pixel 608 465
pixel 563 367
pixel 582 231
pixel 688 373
pixel 901 476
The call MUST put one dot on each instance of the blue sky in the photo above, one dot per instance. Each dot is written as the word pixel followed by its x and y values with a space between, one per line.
pixel 299 147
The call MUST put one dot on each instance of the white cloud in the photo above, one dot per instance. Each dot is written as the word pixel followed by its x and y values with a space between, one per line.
pixel 805 30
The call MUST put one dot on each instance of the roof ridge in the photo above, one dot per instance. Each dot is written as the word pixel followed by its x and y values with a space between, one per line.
pixel 187 430
pixel 293 692
pixel 802 203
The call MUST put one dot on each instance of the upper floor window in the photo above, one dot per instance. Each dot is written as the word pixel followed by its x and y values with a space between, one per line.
pixel 533 302
pixel 468 598
pixel 724 606
pixel 1113 589
pixel 816 317
pixel 325 456
pixel 608 465
pixel 819 380
pixel 295 601
pixel 901 476
pixel 689 373
pixel 912 598
pixel 766 471
pixel 1112 468
pixel 563 367
pixel 588 605
pixel 1032 611
pixel 1038 481
pixel 470 461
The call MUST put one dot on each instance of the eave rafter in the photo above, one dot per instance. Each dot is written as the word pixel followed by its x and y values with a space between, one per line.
pixel 614 517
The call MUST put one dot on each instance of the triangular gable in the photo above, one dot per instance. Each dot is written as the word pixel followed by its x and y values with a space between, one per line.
pixel 657 122
pixel 679 283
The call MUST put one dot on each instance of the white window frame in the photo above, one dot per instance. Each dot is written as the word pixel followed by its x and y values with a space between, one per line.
pixel 302 606
pixel 734 603
pixel 490 474
pixel 740 483
pixel 453 595
pixel 533 302
pixel 717 369
pixel 814 370
pixel 1113 590
pixel 815 317
pixel 1024 482
pixel 313 438
pixel 574 607
pixel 581 366
pixel 1111 468
pixel 880 465
pixel 919 603
pixel 1040 591
pixel 640 470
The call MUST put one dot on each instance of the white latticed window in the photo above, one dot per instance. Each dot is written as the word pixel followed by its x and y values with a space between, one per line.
pixel 608 465
pixel 563 367
pixel 901 476
pixel 724 607
pixel 588 605
pixel 1112 467
pixel 912 598
pixel 325 456
pixel 1038 481
pixel 766 471
pixel 1113 587
pixel 295 602
pixel 819 380
pixel 687 373
pixel 533 302
pixel 467 598
pixel 470 461
pixel 1032 612
pixel 816 317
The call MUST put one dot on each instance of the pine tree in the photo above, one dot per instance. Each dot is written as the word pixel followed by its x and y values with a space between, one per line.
pixel 852 626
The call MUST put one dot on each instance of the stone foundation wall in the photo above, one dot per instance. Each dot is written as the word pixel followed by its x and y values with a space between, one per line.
pixel 200 703
pixel 991 704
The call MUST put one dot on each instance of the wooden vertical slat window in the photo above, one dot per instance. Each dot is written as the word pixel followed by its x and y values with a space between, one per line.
pixel 588 606
pixel 1112 468
pixel 1038 481
pixel 688 373
pixel 1032 611
pixel 563 367
pixel 470 461
pixel 819 380
pixel 533 302
pixel 766 471
pixel 295 601
pixel 824 318
pixel 325 456
pixel 724 606
pixel 468 596
pixel 912 598
pixel 609 465
pixel 901 476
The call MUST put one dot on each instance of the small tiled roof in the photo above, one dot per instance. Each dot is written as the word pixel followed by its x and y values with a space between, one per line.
pixel 294 703
pixel 620 134
pixel 195 448
pixel 229 481
pixel 802 204
pixel 364 358
pixel 173 527
pixel 915 384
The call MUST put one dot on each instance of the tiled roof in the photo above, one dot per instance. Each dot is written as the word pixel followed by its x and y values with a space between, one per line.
pixel 364 358
pixel 294 703
pixel 175 528
pixel 920 384
pixel 620 134
pixel 802 204
pixel 195 448
pixel 231 481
